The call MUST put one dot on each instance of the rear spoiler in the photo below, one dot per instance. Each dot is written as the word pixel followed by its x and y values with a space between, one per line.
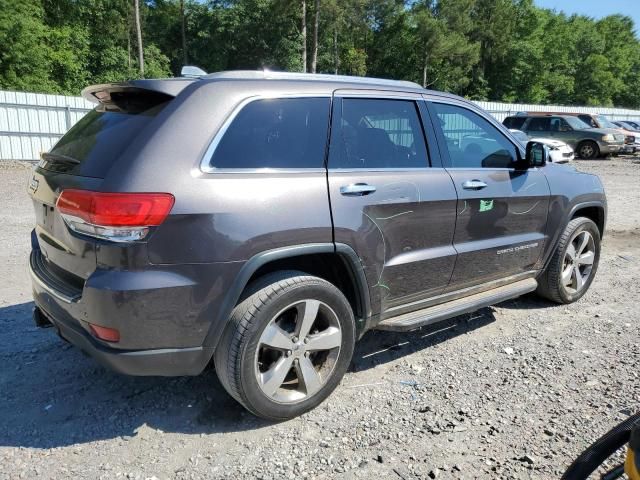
pixel 167 88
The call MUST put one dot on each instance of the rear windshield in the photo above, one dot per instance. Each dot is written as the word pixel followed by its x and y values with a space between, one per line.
pixel 91 146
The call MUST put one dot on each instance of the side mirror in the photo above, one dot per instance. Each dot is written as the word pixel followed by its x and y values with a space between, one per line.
pixel 537 154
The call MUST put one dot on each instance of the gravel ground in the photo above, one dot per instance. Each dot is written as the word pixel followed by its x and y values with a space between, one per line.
pixel 513 391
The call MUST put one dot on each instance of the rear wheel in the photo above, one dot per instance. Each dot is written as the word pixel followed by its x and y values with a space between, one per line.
pixel 574 263
pixel 287 345
pixel 588 150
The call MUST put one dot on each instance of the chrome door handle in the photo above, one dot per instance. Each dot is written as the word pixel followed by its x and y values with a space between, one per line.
pixel 357 189
pixel 474 185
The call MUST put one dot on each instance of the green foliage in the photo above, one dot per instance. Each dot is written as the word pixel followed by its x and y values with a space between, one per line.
pixel 506 50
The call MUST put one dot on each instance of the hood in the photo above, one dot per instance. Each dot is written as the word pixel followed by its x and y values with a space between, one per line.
pixel 630 133
pixel 549 141
pixel 604 131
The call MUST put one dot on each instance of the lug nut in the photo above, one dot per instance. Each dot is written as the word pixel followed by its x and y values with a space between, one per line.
pixel 289 352
pixel 294 339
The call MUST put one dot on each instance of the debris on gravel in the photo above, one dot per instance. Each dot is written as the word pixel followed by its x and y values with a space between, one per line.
pixel 514 391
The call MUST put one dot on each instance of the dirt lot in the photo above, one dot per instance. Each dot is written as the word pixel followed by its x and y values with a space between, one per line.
pixel 515 391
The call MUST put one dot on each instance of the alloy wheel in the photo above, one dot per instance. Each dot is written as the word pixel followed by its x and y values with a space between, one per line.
pixel 297 351
pixel 578 262
pixel 587 151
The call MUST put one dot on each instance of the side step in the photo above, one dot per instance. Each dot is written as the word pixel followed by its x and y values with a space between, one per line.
pixel 443 311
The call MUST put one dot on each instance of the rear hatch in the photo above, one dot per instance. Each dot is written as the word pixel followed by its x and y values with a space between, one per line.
pixel 80 160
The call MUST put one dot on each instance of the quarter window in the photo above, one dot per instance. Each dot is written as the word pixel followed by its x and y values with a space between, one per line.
pixel 378 133
pixel 472 142
pixel 276 133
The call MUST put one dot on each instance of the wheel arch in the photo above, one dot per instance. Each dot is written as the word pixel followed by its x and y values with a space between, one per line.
pixel 594 211
pixel 336 263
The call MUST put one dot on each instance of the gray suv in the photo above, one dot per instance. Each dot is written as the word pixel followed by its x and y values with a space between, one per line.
pixel 266 221
pixel 587 142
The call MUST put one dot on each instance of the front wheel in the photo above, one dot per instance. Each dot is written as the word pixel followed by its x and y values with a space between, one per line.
pixel 588 150
pixel 574 263
pixel 287 345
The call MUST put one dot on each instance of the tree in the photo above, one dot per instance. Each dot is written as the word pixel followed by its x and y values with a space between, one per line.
pixel 440 37
pixel 316 21
pixel 303 30
pixel 139 36
pixel 508 50
pixel 184 34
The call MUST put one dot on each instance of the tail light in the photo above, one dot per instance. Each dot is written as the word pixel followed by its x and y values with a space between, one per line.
pixel 119 217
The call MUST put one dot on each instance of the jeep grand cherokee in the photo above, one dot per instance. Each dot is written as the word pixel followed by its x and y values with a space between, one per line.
pixel 267 220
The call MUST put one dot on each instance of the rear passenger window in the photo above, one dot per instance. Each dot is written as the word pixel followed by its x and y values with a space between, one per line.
pixel 539 124
pixel 378 134
pixel 276 133
pixel 472 141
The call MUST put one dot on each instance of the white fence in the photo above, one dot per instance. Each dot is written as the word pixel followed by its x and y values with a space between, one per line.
pixel 30 123
pixel 503 110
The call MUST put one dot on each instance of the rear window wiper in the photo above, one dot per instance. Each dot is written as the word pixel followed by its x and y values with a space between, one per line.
pixel 57 157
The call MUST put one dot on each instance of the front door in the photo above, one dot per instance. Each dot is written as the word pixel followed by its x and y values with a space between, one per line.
pixel 388 202
pixel 502 210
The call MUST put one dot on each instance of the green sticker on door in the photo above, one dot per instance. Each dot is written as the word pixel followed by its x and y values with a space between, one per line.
pixel 486 205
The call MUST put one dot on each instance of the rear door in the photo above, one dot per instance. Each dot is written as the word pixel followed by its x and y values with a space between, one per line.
pixel 502 210
pixel 391 200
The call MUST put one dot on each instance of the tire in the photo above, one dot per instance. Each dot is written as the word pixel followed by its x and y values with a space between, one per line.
pixel 260 345
pixel 588 150
pixel 601 449
pixel 570 258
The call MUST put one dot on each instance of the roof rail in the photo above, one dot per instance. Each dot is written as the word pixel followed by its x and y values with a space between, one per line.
pixel 271 75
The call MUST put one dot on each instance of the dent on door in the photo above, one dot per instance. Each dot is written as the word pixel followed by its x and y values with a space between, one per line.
pixel 403 233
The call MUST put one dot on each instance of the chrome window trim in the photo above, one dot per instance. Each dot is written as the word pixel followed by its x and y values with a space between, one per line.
pixel 491 169
pixel 205 163
pixel 390 169
pixel 346 93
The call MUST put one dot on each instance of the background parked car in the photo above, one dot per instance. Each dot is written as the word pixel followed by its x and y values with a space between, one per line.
pixel 628 125
pixel 631 139
pixel 587 142
pixel 559 152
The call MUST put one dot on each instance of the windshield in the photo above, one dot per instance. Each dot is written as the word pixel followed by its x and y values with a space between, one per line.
pixel 605 123
pixel 576 123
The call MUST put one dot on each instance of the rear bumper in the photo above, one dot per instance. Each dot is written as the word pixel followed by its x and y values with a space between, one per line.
pixel 161 314
pixel 167 362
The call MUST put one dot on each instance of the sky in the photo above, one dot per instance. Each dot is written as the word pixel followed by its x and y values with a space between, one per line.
pixel 596 8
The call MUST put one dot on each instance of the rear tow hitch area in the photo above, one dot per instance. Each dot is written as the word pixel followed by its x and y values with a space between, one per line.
pixel 41 319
